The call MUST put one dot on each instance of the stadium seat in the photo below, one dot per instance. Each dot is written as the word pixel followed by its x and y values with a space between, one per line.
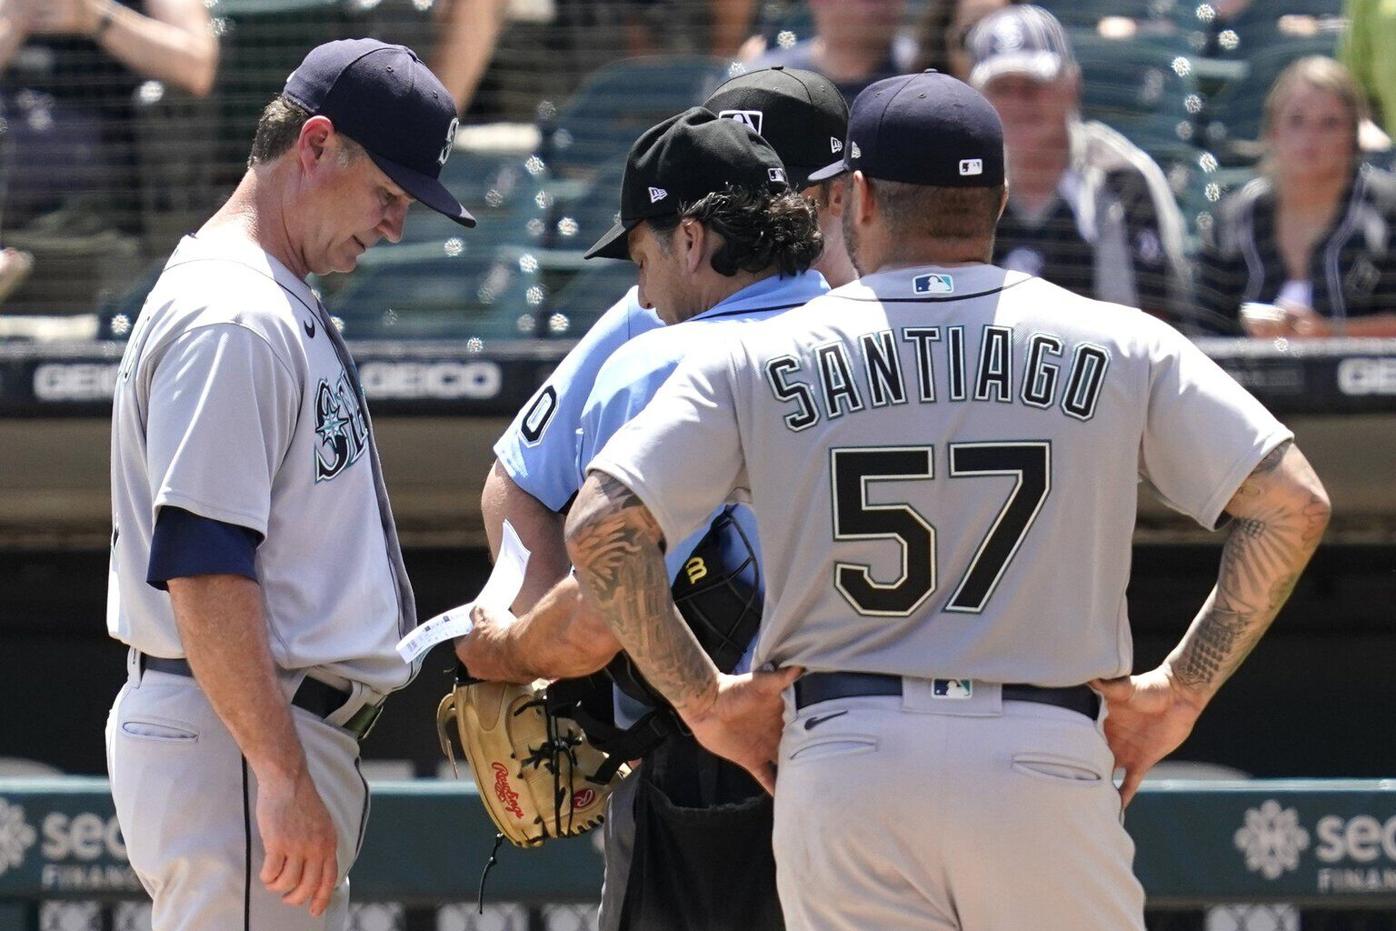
pixel 590 293
pixel 1262 24
pixel 617 103
pixel 1144 87
pixel 1149 15
pixel 502 192
pixel 459 290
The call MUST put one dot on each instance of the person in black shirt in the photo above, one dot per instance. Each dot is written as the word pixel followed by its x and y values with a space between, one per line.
pixel 1087 209
pixel 1305 249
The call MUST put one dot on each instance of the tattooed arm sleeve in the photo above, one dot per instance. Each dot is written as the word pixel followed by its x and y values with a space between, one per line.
pixel 1280 512
pixel 617 549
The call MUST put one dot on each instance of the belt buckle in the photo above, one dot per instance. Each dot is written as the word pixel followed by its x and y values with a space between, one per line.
pixel 363 720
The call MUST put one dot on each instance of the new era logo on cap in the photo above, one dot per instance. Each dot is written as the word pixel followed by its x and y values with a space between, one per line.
pixel 657 194
pixel 835 145
pixel 856 152
pixel 971 166
pixel 750 118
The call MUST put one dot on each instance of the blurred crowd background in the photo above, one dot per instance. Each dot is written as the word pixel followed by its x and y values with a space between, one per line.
pixel 1220 164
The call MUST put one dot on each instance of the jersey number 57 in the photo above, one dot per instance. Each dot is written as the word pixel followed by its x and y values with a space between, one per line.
pixel 852 469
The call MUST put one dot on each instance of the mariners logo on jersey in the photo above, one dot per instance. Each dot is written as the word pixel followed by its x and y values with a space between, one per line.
pixel 340 429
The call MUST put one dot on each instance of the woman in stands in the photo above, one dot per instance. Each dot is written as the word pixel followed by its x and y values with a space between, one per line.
pixel 1308 245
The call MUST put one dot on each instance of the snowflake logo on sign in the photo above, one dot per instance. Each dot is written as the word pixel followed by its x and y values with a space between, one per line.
pixel 16 836
pixel 1272 840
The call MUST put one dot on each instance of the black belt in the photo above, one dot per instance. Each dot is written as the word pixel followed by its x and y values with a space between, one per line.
pixel 313 695
pixel 815 687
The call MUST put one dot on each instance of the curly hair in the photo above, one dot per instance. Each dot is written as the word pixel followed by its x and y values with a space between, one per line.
pixel 759 230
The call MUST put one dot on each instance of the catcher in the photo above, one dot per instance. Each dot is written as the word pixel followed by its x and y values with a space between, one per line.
pixel 688 838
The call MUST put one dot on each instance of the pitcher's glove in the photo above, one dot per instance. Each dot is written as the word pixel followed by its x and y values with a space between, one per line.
pixel 534 767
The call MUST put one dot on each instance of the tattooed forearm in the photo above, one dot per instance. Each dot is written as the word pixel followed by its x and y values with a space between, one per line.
pixel 615 545
pixel 1281 511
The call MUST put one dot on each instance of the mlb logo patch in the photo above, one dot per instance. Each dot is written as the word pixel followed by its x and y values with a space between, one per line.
pixel 933 284
pixel 777 174
pixel 657 194
pixel 971 166
pixel 753 119
pixel 952 688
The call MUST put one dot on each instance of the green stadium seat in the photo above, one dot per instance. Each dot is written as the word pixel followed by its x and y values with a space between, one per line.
pixel 591 292
pixel 431 291
pixel 617 103
pixel 1144 87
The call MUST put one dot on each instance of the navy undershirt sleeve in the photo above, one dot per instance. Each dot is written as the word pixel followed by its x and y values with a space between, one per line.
pixel 186 544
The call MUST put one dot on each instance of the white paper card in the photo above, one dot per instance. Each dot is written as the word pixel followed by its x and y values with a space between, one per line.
pixel 500 590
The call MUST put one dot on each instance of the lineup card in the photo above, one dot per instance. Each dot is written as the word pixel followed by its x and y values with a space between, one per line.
pixel 499 593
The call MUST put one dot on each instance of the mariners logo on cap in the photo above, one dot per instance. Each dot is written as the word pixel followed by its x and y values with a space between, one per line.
pixel 450 141
pixel 749 118
pixel 657 194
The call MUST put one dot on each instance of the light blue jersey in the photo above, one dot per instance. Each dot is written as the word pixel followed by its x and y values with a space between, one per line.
pixel 539 450
pixel 637 369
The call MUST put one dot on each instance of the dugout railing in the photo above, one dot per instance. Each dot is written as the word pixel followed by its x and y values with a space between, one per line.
pixel 1253 855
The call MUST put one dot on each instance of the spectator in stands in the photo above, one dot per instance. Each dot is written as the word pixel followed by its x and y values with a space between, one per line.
pixel 855 43
pixel 70 70
pixel 1087 209
pixel 1311 239
pixel 943 33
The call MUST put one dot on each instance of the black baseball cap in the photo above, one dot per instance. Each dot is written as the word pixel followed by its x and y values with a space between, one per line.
pixel 801 114
pixel 926 128
pixel 680 161
pixel 387 101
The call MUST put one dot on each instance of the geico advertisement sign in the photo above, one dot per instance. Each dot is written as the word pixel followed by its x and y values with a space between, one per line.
pixel 1354 854
pixel 445 381
pixel 1367 376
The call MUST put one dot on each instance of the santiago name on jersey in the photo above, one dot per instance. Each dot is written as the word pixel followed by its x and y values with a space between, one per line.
pixel 916 443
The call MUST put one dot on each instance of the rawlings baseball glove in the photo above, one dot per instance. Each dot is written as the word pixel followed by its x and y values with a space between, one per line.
pixel 535 770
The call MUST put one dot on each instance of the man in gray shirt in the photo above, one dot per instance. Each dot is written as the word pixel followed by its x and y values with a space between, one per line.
pixel 255 568
pixel 943 457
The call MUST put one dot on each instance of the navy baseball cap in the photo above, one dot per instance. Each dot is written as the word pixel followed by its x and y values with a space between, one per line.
pixel 387 101
pixel 682 160
pixel 1024 40
pixel 926 128
pixel 801 114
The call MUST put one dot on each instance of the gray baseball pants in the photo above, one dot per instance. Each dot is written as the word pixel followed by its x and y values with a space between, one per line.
pixel 186 801
pixel 950 814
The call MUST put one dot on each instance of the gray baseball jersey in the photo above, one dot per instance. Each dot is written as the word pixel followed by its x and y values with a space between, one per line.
pixel 234 402
pixel 944 464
